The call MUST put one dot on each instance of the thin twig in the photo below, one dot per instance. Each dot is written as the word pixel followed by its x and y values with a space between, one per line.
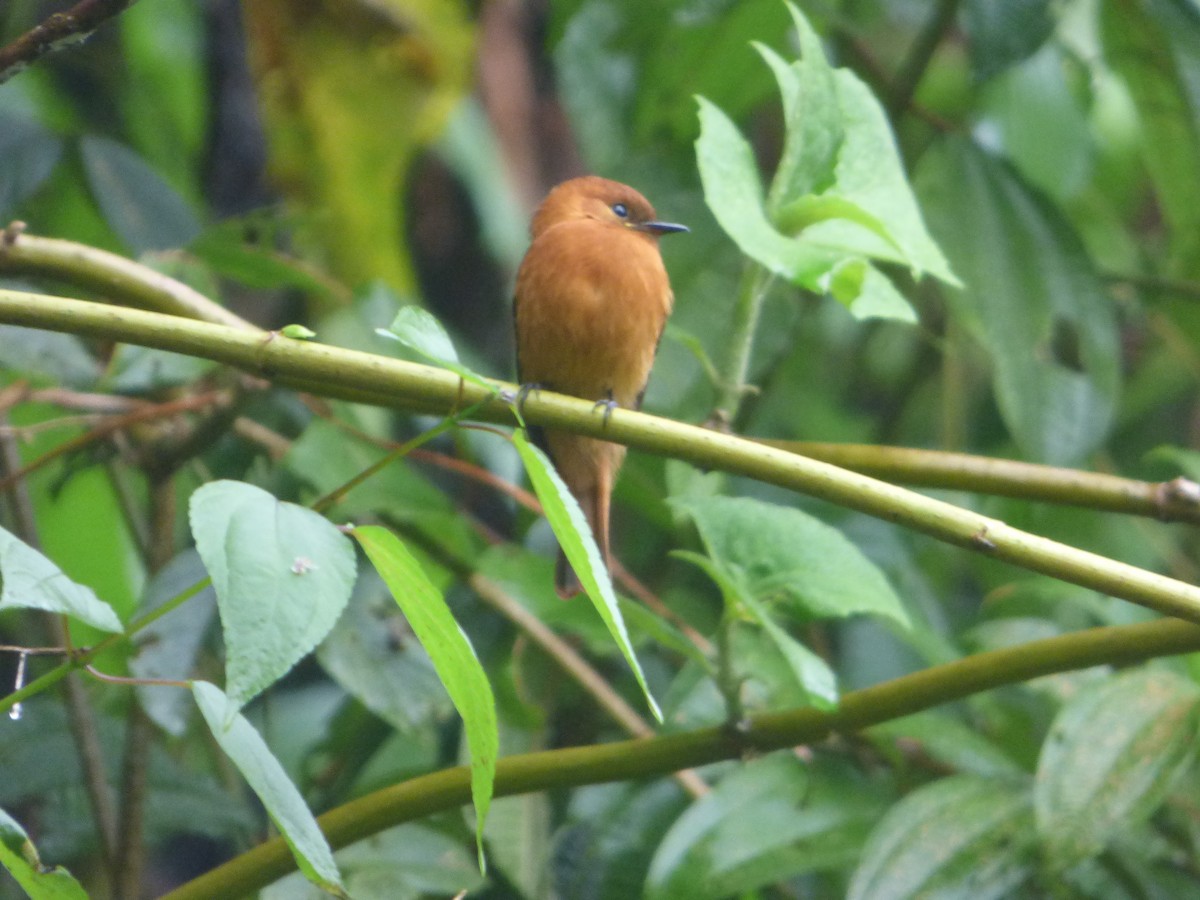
pixel 62 29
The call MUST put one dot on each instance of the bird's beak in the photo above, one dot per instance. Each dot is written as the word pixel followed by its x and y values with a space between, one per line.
pixel 661 227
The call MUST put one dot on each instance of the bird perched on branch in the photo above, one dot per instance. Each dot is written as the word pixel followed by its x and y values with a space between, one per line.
pixel 591 301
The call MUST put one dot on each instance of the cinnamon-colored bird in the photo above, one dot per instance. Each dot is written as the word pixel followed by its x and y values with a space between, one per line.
pixel 592 298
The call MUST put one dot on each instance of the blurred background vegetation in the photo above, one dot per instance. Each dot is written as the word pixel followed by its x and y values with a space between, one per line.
pixel 327 162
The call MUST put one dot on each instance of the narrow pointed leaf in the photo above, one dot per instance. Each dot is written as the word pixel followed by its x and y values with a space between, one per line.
pixel 575 536
pixel 266 777
pixel 451 653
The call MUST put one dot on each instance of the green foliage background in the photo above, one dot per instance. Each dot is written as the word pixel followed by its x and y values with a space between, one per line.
pixel 329 165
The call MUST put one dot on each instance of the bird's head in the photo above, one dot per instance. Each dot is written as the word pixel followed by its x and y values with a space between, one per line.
pixel 600 200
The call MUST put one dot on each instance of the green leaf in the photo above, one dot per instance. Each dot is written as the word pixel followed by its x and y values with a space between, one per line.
pixel 946 738
pixel 734 194
pixel 20 858
pixel 282 575
pixel 1034 113
pixel 47 356
pixel 394 679
pixel 1001 34
pixel 451 654
pixel 244 249
pixel 420 331
pixel 780 554
pixel 266 777
pixel 405 862
pixel 810 671
pixel 1155 47
pixel 141 208
pixel 790 672
pixel 1031 298
pixel 30 154
pixel 713 851
pixel 958 837
pixel 1109 759
pixel 814 127
pixel 575 537
pixel 164 44
pixel 31 581
pixel 605 851
pixel 870 176
pixel 839 196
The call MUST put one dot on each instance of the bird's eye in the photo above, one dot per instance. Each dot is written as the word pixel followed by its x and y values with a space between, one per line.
pixel 621 210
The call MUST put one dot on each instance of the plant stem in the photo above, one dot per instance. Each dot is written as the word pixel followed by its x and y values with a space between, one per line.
pixel 912 70
pixel 731 388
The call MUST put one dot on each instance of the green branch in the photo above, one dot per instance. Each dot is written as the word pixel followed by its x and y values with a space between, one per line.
pixel 652 757
pixel 1172 501
pixel 367 378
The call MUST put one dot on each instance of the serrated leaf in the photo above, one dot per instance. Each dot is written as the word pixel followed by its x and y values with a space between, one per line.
pixel 839 196
pixel 808 678
pixel 451 653
pixel 811 672
pixel 140 206
pixel 1032 298
pixel 282 575
pixel 266 777
pixel 574 535
pixel 960 836
pixel 734 194
pixel 31 581
pixel 710 853
pixel 784 555
pixel 1110 758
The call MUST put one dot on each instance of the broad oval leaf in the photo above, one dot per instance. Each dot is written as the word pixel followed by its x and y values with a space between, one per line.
pixel 451 653
pixel 750 831
pixel 780 552
pixel 270 783
pixel 1110 758
pixel 1031 298
pixel 137 203
pixel 31 581
pixel 961 836
pixel 282 575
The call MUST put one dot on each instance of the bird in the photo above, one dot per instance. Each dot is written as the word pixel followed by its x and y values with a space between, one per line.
pixel 592 297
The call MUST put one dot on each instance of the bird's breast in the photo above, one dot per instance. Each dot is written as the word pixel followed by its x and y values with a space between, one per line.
pixel 591 303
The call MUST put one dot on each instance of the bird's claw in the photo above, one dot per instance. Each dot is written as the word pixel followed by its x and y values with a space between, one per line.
pixel 609 404
pixel 523 394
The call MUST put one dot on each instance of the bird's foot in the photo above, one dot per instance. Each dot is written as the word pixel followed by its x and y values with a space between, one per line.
pixel 524 392
pixel 608 404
